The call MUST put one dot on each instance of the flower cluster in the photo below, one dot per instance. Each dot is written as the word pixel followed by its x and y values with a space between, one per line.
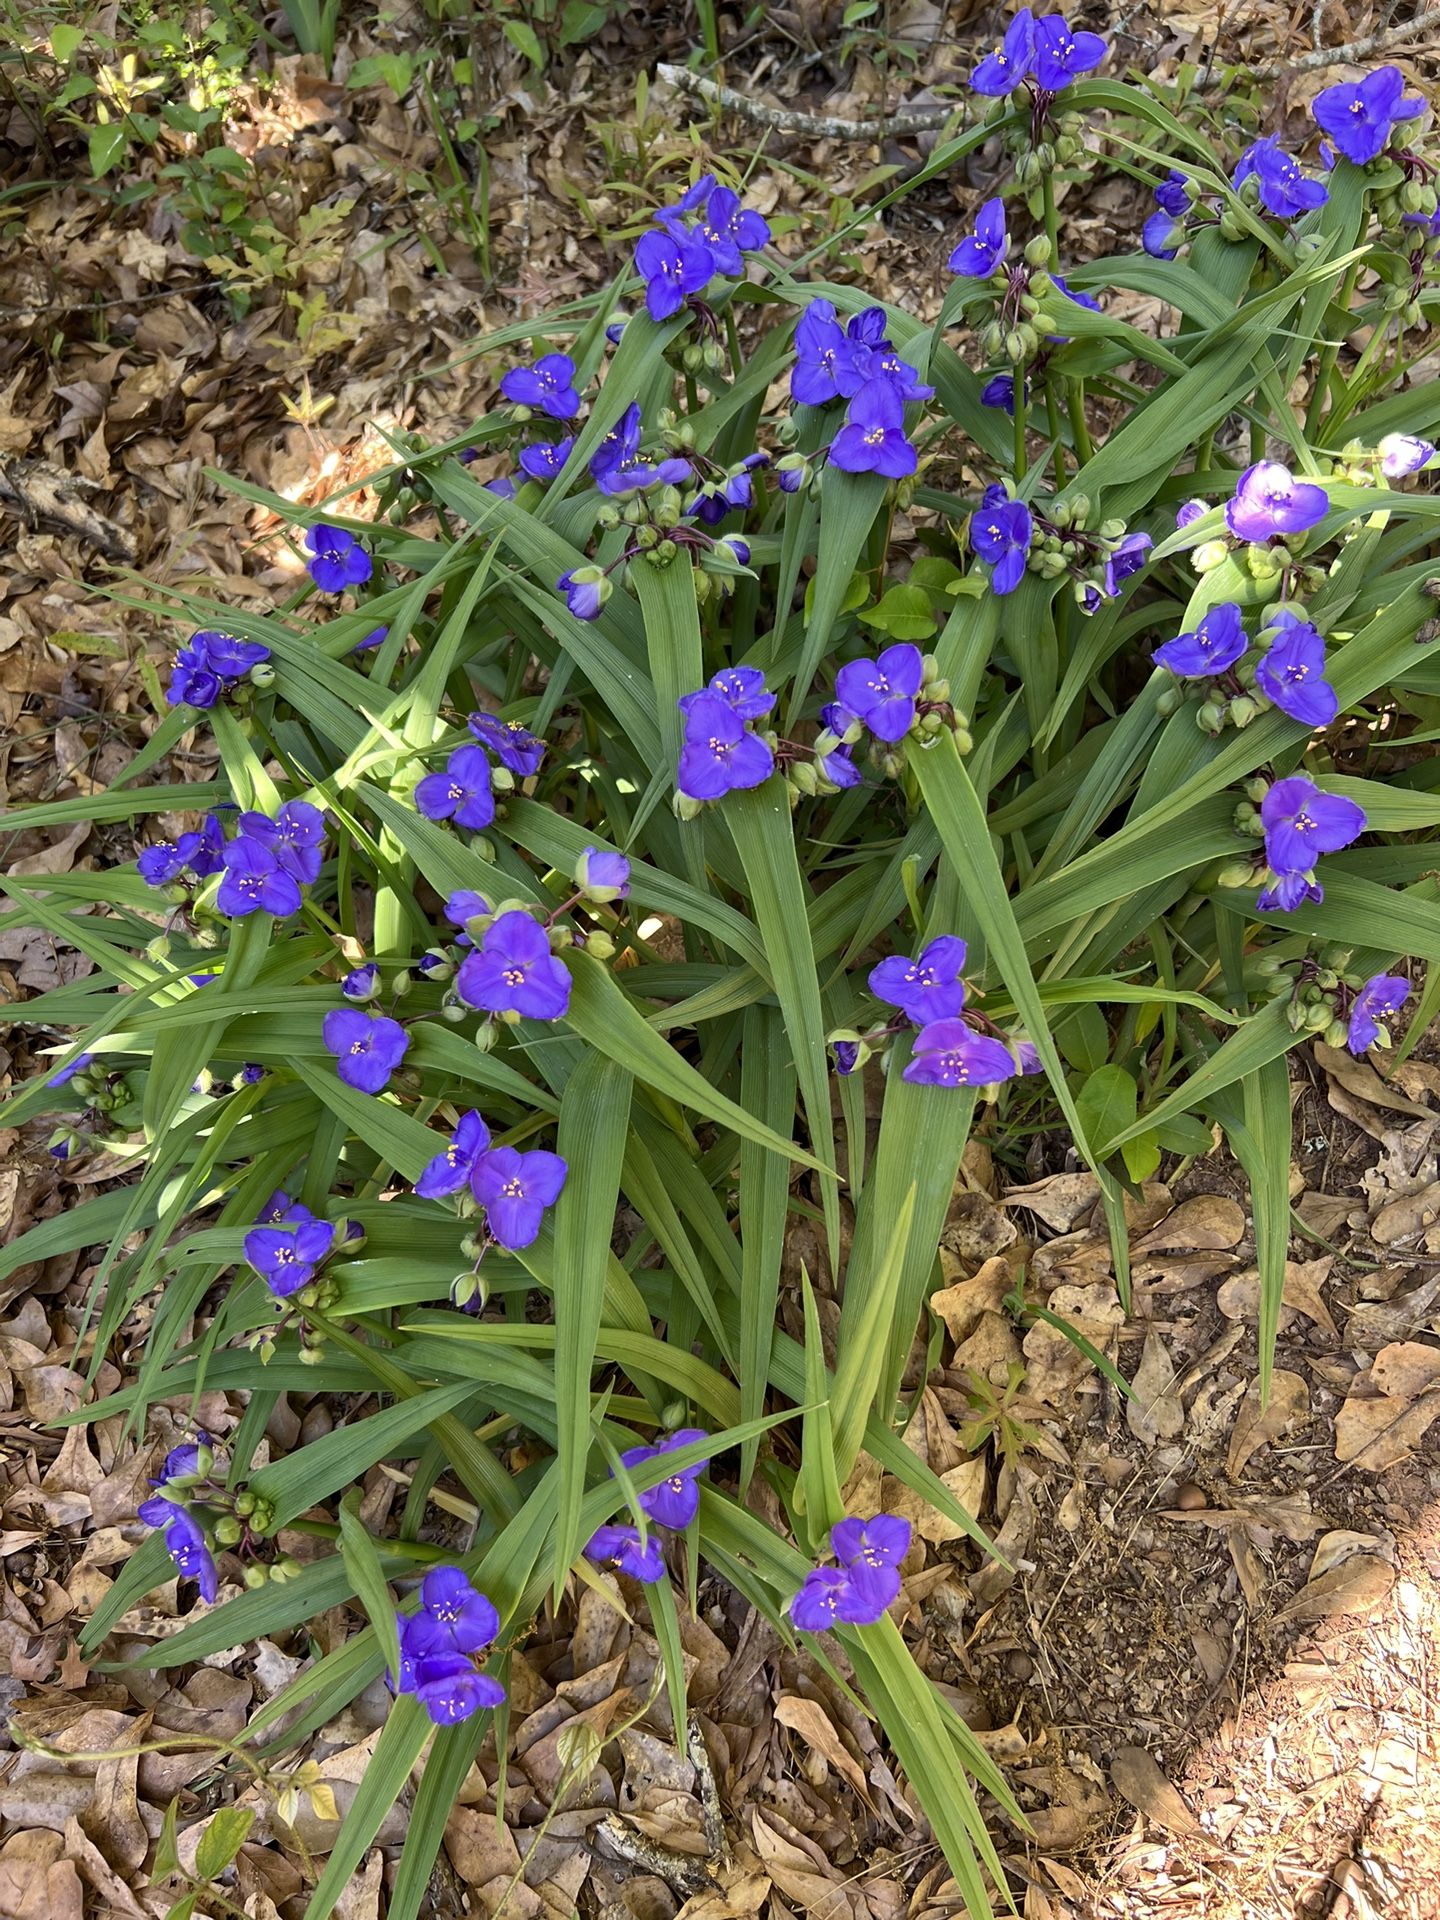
pixel 337 559
pixel 209 664
pixel 439 1644
pixel 859 364
pixel 953 1047
pixel 190 859
pixel 672 1505
pixel 1045 52
pixel 1300 823
pixel 513 1187
pixel 706 232
pixel 1289 673
pixel 720 753
pixel 865 1583
pixel 269 860
pixel 288 1245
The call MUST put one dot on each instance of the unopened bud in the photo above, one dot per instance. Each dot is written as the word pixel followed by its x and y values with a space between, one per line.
pixel 599 945
pixel 1209 554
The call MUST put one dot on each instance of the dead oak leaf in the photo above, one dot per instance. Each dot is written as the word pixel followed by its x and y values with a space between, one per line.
pixel 1239 1296
pixel 1390 1406
pixel 1257 1424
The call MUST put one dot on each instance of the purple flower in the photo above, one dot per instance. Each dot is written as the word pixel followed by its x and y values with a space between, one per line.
pixel 543 459
pixel 1000 532
pixel 1429 222
pixel 742 688
pixel 828 1597
pixel 1001 71
pixel 1163 235
pixel 451 1168
pixel 1269 502
pixel 164 862
pixel 515 1189
pixel 586 590
pixel 867 327
pixel 1402 453
pixel 881 693
pixel 367 1047
pixel 948 1053
pixel 281 1207
pixel 984 249
pixel 847 1056
pixel 726 228
pixel 361 983
pixel 67 1074
pixel 676 1500
pixel 618 468
pixel 870 1551
pixel 602 876
pixel 673 266
pixel 1376 1005
pixel 191 1460
pixel 1301 822
pixel 287 1255
pixel 209 663
pixel 884 363
pixel 1171 195
pixel 512 745
pixel 823 357
pixel 1291 673
pixel 548 387
pixel 1189 512
pixel 1124 559
pixel 1062 56
pixel 461 793
pixel 502 485
pixel 1216 643
pixel 296 837
pixel 999 391
pixel 185 1543
pixel 1027 1055
pixel 376 637
pixel 872 439
pixel 255 881
pixel 337 560
pixel 719 753
pixel 694 200
pixel 436 1665
pixel 926 989
pixel 193 682
pixel 251 1074
pixel 619 1546
pixel 1284 190
pixel 513 971
pixel 455 1605
pixel 465 905
pixel 1077 298
pixel 1287 891
pixel 1359 118
pixel 838 768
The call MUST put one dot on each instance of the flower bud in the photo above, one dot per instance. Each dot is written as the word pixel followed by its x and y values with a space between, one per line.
pixel 607 517
pixel 1209 554
pixel 684 807
pixel 964 742
pixel 229 1531
pixel 262 674
pixel 484 1037
pixel 1210 717
pixel 1168 702
pixel 255 1576
pixel 1037 251
pixel 1242 710
pixel 803 777
pixel 599 945
pixel 470 1292
pixel 1336 1034
pixel 1319 1016
pixel 602 877
pixel 1235 873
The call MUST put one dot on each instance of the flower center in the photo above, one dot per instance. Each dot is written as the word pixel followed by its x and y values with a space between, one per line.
pixel 1303 822
pixel 874 437
pixel 359 1046
pixel 1296 673
pixel 719 747
pixel 514 1188
pixel 514 976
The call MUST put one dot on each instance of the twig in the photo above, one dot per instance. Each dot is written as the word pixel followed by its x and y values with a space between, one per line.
pixel 1351 50
pixel 812 126
pixel 39 492
pixel 681 1871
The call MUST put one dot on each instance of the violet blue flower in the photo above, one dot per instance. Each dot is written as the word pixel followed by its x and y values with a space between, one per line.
pixel 675 1501
pixel 1285 190
pixel 999 391
pixel 337 560
pixel 1213 644
pixel 847 1056
pixel 823 357
pixel 1062 55
pixel 464 905
pixel 586 590
pixel 1301 822
pixel 742 688
pixel 1163 235
pixel 296 837
pixel 287 1255
pixel 548 387
pixel 618 467
pixel 884 363
pixel 620 1546
pixel 827 1597
pixel 1002 70
pixel 1286 891
pixel 193 681
pixel 367 1047
pixel 376 637
pixel 514 971
pixel 727 229
pixel 925 989
pixel 185 1543
pixel 1000 530
pixel 191 1460
pixel 461 792
pixel 1375 1007
pixel 543 459
pixel 455 1605
pixel 361 983
pixel 209 663
pixel 1359 118
pixel 451 1168
pixel 1189 512
pixel 983 249
pixel 948 1053
pixel 1127 557
pixel 881 693
pixel 66 1074
pixel 1171 195
pixel 513 746
pixel 515 1189
pixel 602 876
pixel 838 768
pixel 1270 503
pixel 872 439
pixel 256 882
pixel 1291 673
pixel 1403 453
pixel 719 754
pixel 502 485
pixel 1077 297
pixel 673 265
pixel 870 1551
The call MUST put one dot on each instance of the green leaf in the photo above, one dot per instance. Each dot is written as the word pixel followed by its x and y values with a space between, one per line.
pixel 523 37
pixel 902 613
pixel 362 1562
pixel 107 145
pixel 1107 1102
pixel 224 1835
pixel 303 1479
pixel 767 1089
pixel 65 42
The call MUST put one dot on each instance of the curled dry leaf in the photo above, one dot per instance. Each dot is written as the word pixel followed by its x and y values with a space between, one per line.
pixel 966 1482
pixel 962 1305
pixel 1361 1079
pixel 1239 1296
pixel 1061 1201
pixel 1375 1322
pixel 1155 1413
pixel 1356 1586
pixel 1136 1776
pixel 1390 1406
pixel 1341 1544
pixel 809 1719
pixel 1401 1221
pixel 1055 1365
pixel 1205 1220
pixel 1256 1425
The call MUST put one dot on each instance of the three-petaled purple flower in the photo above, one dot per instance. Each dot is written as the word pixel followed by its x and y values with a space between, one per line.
pixel 361 983
pixel 1270 503
pixel 949 1053
pixel 866 1583
pixel 984 249
pixel 543 459
pixel 872 439
pixel 438 1645
pixel 675 1501
pixel 586 590
pixel 719 753
pixel 513 746
pixel 185 1542
pixel 1301 823
pixel 210 662
pixel 286 1253
pixel 513 971
pixel 461 792
pixel 824 366
pixel 337 559
pixel 742 688
pixel 674 265
pixel 881 693
pixel 1001 71
pixel 927 988
pixel 296 837
pixel 1284 189
pixel 367 1047
pixel 999 391
pixel 451 1168
pixel 1000 530
pixel 1213 644
pixel 548 387
pixel 1062 55
pixel 727 228
pixel 1291 673
pixel 515 1189
pixel 618 467
pixel 1127 556
pixel 1359 118
pixel 1376 1005
pixel 617 1545
pixel 602 876
pixel 199 854
pixel 256 882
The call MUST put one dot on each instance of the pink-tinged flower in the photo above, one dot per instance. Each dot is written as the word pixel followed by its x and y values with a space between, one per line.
pixel 1270 502
pixel 1403 453
pixel 514 971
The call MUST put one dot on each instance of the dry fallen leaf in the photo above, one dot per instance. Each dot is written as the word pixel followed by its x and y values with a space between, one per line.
pixel 809 1719
pixel 1361 1079
pixel 1257 1425
pixel 1155 1413
pixel 1356 1586
pixel 962 1305
pixel 1205 1220
pixel 1060 1201
pixel 1239 1296
pixel 1390 1406
pixel 1136 1776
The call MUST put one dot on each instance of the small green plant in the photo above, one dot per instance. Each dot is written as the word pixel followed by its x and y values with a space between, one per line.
pixel 998 1416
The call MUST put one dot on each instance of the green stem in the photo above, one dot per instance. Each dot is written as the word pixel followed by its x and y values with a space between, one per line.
pixel 1052 418
pixel 1079 427
pixel 1018 390
pixel 732 338
pixel 1329 355
pixel 692 394
pixel 1052 217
